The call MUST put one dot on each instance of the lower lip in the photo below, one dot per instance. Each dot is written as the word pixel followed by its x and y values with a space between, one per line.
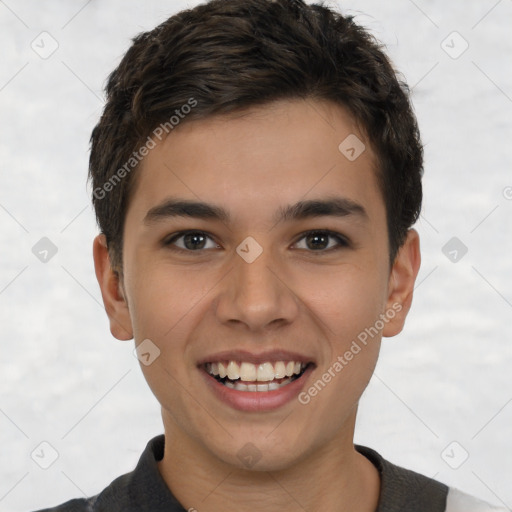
pixel 256 401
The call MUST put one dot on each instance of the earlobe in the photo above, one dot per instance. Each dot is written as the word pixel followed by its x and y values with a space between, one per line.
pixel 401 283
pixel 112 293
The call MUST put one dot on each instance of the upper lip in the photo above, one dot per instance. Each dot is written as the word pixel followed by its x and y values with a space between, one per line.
pixel 249 357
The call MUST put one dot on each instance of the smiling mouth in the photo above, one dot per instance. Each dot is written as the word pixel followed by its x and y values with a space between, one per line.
pixel 245 376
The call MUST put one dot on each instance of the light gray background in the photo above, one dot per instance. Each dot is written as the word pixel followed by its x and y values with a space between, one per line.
pixel 66 381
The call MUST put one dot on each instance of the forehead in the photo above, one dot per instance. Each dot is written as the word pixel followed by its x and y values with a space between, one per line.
pixel 261 159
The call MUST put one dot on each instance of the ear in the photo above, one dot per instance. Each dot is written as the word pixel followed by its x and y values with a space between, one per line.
pixel 111 291
pixel 401 284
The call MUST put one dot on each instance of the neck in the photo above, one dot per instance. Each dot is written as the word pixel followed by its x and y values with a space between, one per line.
pixel 334 477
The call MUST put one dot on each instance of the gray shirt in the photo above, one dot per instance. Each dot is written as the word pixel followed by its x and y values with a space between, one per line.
pixel 144 489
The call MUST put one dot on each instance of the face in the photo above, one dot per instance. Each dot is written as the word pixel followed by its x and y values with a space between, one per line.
pixel 254 247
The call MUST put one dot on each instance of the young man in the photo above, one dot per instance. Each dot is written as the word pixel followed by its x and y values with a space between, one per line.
pixel 256 173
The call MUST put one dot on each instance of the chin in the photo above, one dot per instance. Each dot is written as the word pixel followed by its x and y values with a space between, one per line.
pixel 258 453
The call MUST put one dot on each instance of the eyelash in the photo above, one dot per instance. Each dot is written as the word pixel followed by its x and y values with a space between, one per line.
pixel 341 240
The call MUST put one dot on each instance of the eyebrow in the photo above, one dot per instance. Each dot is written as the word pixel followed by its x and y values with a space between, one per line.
pixel 333 206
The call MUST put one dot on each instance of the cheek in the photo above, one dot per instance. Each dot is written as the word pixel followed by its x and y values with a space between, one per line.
pixel 164 306
pixel 350 312
pixel 348 298
pixel 165 299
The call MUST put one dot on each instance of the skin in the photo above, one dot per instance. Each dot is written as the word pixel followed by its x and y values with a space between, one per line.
pixel 294 296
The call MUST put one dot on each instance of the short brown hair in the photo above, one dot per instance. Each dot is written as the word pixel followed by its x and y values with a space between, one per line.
pixel 229 55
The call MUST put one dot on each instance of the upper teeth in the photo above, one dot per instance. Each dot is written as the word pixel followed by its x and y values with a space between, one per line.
pixel 249 372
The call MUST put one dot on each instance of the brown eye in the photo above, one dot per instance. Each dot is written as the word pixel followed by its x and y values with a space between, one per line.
pixel 317 241
pixel 192 241
pixel 321 241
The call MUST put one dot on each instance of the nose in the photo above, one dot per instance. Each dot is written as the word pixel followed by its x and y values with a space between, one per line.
pixel 256 295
